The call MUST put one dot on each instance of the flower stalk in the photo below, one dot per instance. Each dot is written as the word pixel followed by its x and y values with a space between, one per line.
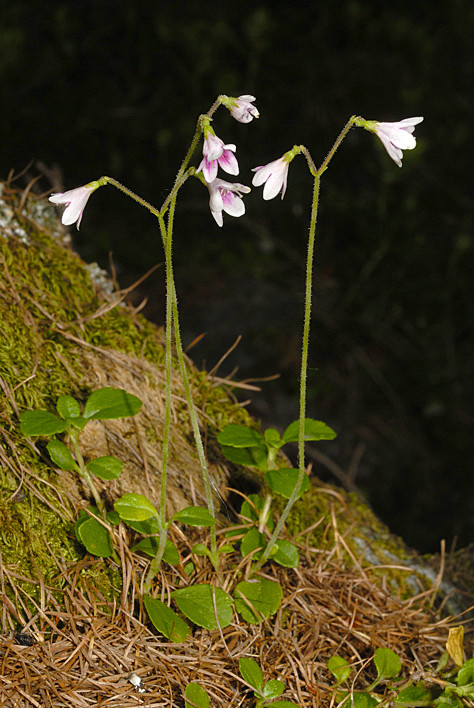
pixel 303 378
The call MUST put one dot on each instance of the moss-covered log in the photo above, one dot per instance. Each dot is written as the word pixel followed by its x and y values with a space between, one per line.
pixel 65 331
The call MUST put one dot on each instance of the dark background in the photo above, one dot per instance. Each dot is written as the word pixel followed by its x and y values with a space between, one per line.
pixel 114 87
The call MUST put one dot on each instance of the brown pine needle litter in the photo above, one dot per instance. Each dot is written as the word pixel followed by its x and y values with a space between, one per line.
pixel 84 648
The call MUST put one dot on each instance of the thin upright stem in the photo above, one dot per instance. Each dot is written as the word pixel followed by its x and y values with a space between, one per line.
pixel 167 236
pixel 303 379
pixel 192 411
pixel 83 471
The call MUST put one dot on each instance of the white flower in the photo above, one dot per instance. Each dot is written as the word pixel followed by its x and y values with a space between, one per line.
pixel 242 110
pixel 75 200
pixel 275 175
pixel 215 153
pixel 397 136
pixel 226 196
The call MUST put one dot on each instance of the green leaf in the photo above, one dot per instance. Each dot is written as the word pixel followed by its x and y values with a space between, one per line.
pixel 150 547
pixel 287 554
pixel 41 423
pixel 109 403
pixel 94 537
pixel 68 407
pixel 61 456
pixel 285 704
pixel 360 699
pixel 388 663
pixel 200 549
pixel 240 436
pixel 263 595
pixel 248 511
pixel 251 673
pixel 189 568
pixel 451 701
pixel 79 423
pixel 113 518
pixel 247 456
pixel 284 481
pixel 226 548
pixel 165 620
pixel 273 689
pixel 149 527
pixel 251 541
pixel 135 507
pixel 414 696
pixel 273 438
pixel 466 673
pixel 195 696
pixel 197 603
pixel 340 668
pixel 171 554
pixel 107 467
pixel 313 430
pixel 194 516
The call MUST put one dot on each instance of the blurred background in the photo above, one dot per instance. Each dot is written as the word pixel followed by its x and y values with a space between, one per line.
pixel 115 87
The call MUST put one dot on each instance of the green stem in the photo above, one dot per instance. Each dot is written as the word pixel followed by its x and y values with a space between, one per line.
pixel 204 118
pixel 353 120
pixel 303 378
pixel 110 180
pixel 192 411
pixel 83 471
pixel 167 236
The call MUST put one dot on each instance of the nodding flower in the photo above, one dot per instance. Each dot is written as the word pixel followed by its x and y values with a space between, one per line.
pixel 226 196
pixel 216 154
pixel 396 136
pixel 75 201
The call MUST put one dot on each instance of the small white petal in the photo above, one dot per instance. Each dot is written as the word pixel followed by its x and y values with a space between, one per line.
pixel 397 136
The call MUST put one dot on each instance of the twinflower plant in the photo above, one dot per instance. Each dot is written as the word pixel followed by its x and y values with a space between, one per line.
pixel 256 597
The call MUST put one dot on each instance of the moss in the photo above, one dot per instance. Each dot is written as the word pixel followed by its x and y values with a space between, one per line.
pixel 49 305
pixel 52 313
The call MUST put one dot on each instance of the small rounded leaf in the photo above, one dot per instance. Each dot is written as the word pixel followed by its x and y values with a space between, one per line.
pixel 256 456
pixel 95 538
pixel 284 481
pixel 68 407
pixel 340 668
pixel 195 696
pixel 197 603
pixel 360 699
pixel 150 547
pixel 61 456
pixel 273 438
pixel 466 673
pixel 273 689
pixel 287 554
pixel 239 436
pixel 107 467
pixel 135 507
pixel 388 663
pixel 264 598
pixel 200 549
pixel 41 423
pixel 251 673
pixel 107 403
pixel 194 516
pixel 313 430
pixel 148 527
pixel 165 620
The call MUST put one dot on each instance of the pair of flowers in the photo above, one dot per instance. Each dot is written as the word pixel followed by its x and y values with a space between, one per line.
pixel 227 196
pixel 223 195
